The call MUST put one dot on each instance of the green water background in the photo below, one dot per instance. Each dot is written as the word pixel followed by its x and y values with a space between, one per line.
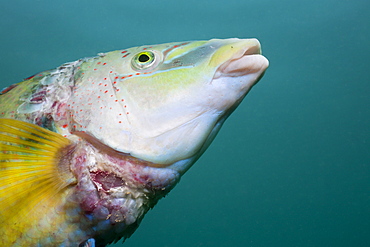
pixel 291 166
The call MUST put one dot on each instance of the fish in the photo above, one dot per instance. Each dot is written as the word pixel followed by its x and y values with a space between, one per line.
pixel 88 148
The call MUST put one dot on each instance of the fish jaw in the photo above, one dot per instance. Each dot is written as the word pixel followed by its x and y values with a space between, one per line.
pixel 231 82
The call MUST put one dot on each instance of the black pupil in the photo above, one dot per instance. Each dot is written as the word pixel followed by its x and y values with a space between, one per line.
pixel 143 58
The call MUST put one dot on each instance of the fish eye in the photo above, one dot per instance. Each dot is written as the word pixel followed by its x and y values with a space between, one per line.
pixel 145 60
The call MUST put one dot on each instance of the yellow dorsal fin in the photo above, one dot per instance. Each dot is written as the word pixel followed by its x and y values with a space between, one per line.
pixel 32 170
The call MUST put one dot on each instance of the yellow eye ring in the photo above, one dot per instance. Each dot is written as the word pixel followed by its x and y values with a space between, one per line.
pixel 145 60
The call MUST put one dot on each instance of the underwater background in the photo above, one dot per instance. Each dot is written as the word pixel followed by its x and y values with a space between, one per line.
pixel 291 166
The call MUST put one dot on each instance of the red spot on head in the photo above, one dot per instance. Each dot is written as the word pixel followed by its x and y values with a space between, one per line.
pixel 5 90
pixel 28 78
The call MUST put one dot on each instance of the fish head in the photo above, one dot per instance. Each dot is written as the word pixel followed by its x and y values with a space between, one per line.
pixel 165 103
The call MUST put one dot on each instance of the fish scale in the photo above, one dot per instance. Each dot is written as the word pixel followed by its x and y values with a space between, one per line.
pixel 88 148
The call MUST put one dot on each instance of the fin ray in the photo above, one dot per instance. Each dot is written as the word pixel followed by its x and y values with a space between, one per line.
pixel 18 141
pixel 31 172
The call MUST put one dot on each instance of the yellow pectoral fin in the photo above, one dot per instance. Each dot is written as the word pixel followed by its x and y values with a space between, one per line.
pixel 32 171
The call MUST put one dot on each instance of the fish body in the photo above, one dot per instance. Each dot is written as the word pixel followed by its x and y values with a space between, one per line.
pixel 89 147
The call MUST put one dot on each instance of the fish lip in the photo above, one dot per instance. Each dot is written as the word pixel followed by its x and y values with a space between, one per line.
pixel 246 61
pixel 253 50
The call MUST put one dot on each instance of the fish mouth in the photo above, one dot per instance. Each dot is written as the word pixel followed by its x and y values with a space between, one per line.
pixel 247 59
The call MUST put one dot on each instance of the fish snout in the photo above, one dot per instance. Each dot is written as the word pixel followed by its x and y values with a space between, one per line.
pixel 246 59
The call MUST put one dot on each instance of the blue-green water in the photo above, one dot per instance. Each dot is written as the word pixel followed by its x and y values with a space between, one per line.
pixel 291 166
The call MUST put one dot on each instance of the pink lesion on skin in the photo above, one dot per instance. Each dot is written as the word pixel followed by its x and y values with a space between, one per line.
pixel 142 174
pixel 113 187
pixel 141 178
pixel 121 168
pixel 133 166
pixel 60 111
pixel 106 180
pixel 38 97
pixel 86 193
